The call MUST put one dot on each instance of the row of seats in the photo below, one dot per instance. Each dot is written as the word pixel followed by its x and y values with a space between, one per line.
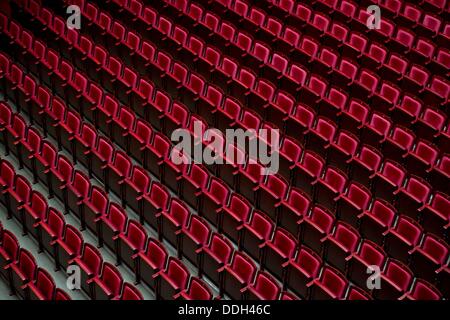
pixel 331 23
pixel 18 268
pixel 271 259
pixel 370 55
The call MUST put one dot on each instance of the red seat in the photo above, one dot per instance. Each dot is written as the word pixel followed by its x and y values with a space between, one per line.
pixel 429 123
pixel 403 237
pixel 68 247
pixel 377 220
pixel 369 254
pixel 34 212
pixel 386 98
pixel 134 188
pixel 438 175
pixel 52 230
pixel 154 203
pixel 9 252
pixel 331 284
pixel 19 195
pixel 407 111
pixel 289 154
pixel 131 243
pixel 139 138
pixel 388 180
pixel 172 280
pixel 321 135
pixel 300 122
pixel 355 293
pixel 90 264
pixel 435 216
pixel 355 116
pixel 214 256
pixel 237 275
pixel 429 258
pixel 194 237
pixel 365 164
pixel 77 190
pixel 399 143
pixel 422 158
pixel 316 226
pixel 395 280
pixel 108 285
pixel 43 288
pixel 416 78
pixel 151 262
pixel 197 290
pixel 129 292
pixel 271 193
pixel 172 221
pixel 112 225
pixel 213 199
pixel 329 187
pixel 333 103
pixel 394 69
pixel 355 46
pixel 342 150
pixel 340 244
pixel 249 180
pixel 264 288
pixel 307 171
pixel 293 210
pixel 413 196
pixel 194 184
pixel 22 271
pixel 255 234
pixel 234 215
pixel 155 153
pixel 422 290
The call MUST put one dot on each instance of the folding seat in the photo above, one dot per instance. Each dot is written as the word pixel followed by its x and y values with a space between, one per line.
pixel 111 72
pixel 70 128
pixel 409 15
pixel 321 136
pixel 150 262
pixel 365 164
pixel 52 230
pixel 213 199
pixel 355 46
pixel 233 216
pixel 272 191
pixel 278 251
pixel 45 160
pixel 388 180
pixel 16 132
pixel 84 49
pixel 352 203
pixel 106 113
pixel 340 244
pixel 365 86
pixel 43 288
pixel 395 68
pixel 194 236
pixel 93 207
pixel 19 195
pixel 68 247
pixel 134 188
pixel 404 236
pixel 30 147
pixel 422 290
pixel 413 196
pixel 330 285
pixel 211 21
pixel 255 20
pixel 33 213
pixel 333 104
pixel 274 27
pixel 243 84
pixel 208 104
pixel 173 221
pixel 261 95
pixel 318 25
pixel 131 243
pixel 440 62
pixel 226 71
pixel 429 258
pixel 376 129
pixel 227 33
pixel 368 255
pixel 111 225
pixel 100 157
pixel 9 252
pixel 307 171
pixel 7 178
pixel 215 256
pixel 438 91
pixel 345 73
pixel 306 51
pixel 387 97
pixel 293 210
pixel 82 143
pixel 154 154
pixel 121 125
pixel 326 61
pixel 194 184
pixel 127 81
pixel 355 293
pixel 108 285
pixel 61 295
pixel 376 221
pixel 77 190
pixel 407 111
pixel 429 123
pixel 435 6
pixel 422 51
pixel 172 280
pixel 294 79
pixel 398 144
pixel 289 153
pixel 288 40
pixel 395 281
pixel 329 187
pixel 416 78
pixel 250 178
pixel 197 290
pixel 76 88
pixel 237 275
pixel 174 170
pixel 434 215
pixel 316 226
pixel 265 287
pixel 403 40
pixel 302 13
pixel 129 292
pixel 422 158
pixel 38 105
pixel 90 263
pixel 60 78
pixel 24 91
pixel 341 152
pixel 335 36
pixel 154 202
